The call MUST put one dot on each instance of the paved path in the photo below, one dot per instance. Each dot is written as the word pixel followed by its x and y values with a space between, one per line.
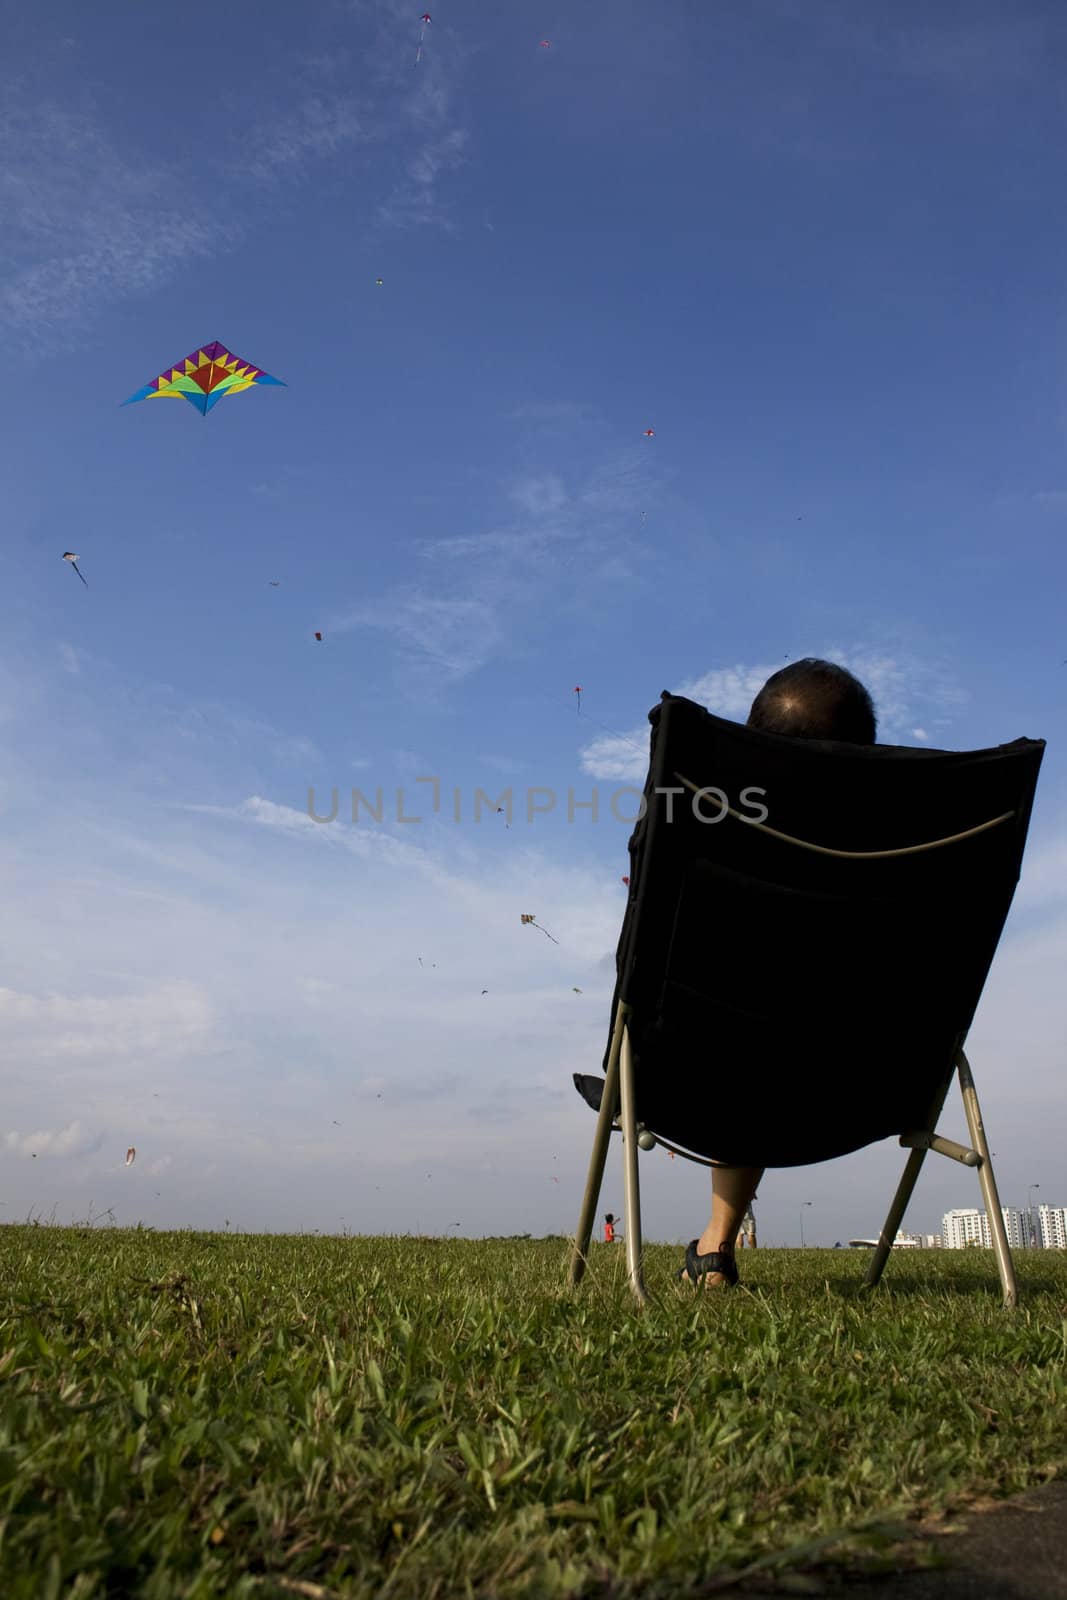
pixel 1014 1551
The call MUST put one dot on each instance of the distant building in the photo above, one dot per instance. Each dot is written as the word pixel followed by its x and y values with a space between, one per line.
pixel 931 1241
pixel 903 1241
pixel 968 1229
pixel 1052 1227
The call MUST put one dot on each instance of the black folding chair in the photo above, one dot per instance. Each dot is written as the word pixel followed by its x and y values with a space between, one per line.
pixel 808 932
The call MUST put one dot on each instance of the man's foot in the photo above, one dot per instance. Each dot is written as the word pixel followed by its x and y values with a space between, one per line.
pixel 714 1269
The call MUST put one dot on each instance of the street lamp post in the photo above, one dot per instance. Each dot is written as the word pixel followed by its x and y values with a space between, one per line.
pixel 1031 1230
pixel 802 1244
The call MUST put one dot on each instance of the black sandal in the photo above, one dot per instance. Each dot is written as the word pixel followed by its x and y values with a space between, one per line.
pixel 714 1261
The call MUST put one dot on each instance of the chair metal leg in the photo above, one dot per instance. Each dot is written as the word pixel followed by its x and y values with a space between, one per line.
pixel 598 1161
pixel 1005 1265
pixel 912 1168
pixel 631 1181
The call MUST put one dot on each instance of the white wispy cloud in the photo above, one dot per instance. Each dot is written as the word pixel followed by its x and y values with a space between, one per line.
pixel 902 683
pixel 899 683
pixel 443 637
pixel 729 691
pixel 317 128
pixel 439 155
pixel 85 222
pixel 73 1140
pixel 616 758
pixel 540 496
pixel 415 200
pixel 163 1020
pixel 88 222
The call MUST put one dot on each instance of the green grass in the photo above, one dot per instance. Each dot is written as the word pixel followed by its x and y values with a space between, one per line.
pixel 204 1415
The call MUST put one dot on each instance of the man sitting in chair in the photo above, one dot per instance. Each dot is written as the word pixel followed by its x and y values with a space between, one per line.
pixel 809 699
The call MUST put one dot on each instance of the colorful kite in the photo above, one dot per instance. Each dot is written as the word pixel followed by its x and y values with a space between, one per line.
pixel 546 44
pixel 319 637
pixel 650 433
pixel 204 377
pixel 424 19
pixel 68 555
pixel 528 917
pixel 131 1156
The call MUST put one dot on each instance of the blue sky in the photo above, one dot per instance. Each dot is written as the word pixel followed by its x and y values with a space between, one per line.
pixel 816 247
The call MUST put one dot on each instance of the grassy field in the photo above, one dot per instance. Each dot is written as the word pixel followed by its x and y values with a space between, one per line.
pixel 205 1415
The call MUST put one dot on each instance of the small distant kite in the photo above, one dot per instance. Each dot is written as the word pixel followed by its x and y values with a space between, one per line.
pixel 578 693
pixel 575 991
pixel 204 377
pixel 319 637
pixel 379 282
pixel 424 19
pixel 68 555
pixel 131 1156
pixel 626 881
pixel 485 991
pixel 528 917
pixel 546 44
pixel 650 433
pixel 273 582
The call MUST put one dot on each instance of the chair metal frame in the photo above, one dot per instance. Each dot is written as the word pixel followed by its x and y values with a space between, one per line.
pixel 617 1110
pixel 619 1098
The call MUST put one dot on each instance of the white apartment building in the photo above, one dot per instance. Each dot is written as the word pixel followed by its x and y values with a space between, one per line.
pixel 1052 1227
pixel 968 1228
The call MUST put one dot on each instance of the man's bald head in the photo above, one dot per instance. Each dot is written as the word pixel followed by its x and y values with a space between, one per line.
pixel 813 699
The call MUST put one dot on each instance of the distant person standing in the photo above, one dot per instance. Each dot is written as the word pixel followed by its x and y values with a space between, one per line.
pixel 747 1232
pixel 609 1229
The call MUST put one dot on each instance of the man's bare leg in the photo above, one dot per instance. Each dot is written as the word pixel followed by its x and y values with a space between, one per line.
pixel 732 1191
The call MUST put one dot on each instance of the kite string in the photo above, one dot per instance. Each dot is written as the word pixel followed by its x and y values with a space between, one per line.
pixel 622 737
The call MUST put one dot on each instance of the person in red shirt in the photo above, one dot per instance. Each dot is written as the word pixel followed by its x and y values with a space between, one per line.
pixel 609 1229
